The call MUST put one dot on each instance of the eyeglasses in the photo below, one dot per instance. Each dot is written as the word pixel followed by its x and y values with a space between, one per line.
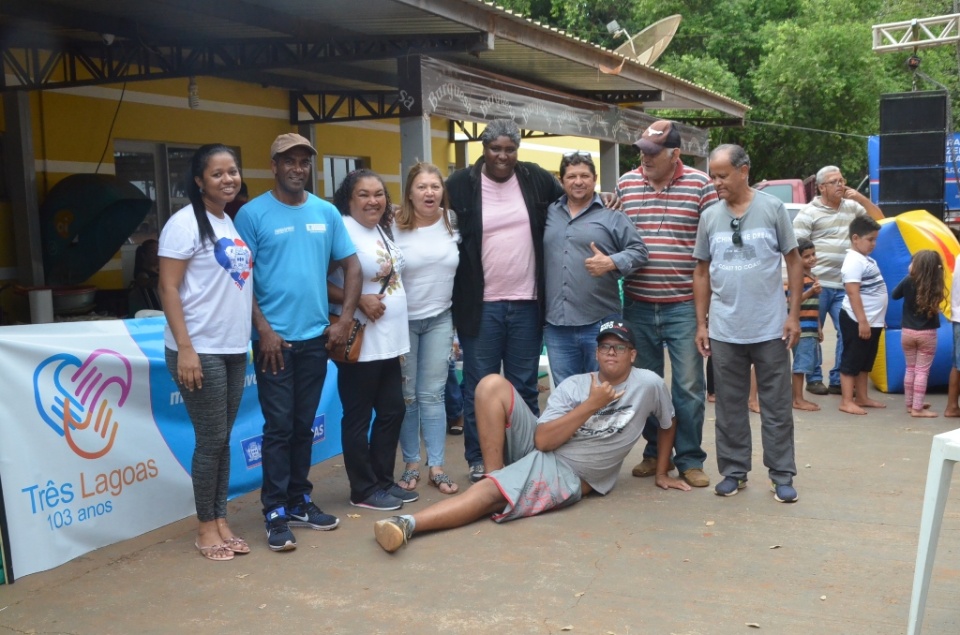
pixel 835 183
pixel 735 226
pixel 606 349
pixel 577 153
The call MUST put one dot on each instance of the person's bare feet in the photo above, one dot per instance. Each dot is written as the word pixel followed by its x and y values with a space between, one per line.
pixel 753 406
pixel 923 414
pixel 713 398
pixel 852 408
pixel 803 404
pixel 870 403
pixel 952 413
pixel 925 407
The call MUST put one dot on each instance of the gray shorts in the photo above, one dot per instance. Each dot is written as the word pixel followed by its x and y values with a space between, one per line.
pixel 532 481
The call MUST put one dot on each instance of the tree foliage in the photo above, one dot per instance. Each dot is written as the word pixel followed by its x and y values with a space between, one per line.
pixel 803 66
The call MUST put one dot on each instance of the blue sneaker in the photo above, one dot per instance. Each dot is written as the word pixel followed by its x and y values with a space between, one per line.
pixel 279 536
pixel 729 486
pixel 407 496
pixel 784 493
pixel 381 501
pixel 306 514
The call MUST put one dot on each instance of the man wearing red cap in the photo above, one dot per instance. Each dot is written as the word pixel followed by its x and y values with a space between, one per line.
pixel 665 198
pixel 294 236
pixel 591 423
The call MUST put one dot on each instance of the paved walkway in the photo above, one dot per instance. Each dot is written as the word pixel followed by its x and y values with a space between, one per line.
pixel 640 560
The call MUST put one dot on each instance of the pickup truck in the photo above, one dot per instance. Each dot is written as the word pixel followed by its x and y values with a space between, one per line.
pixel 795 193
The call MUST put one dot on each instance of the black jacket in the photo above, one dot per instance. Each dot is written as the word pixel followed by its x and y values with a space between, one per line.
pixel 539 188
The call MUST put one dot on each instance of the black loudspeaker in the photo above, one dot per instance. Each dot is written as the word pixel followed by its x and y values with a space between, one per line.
pixel 912 184
pixel 917 149
pixel 913 112
pixel 912 152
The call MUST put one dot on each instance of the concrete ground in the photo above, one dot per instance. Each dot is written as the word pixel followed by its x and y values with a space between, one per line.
pixel 639 560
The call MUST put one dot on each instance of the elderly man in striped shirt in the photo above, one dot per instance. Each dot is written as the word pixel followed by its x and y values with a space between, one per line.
pixel 825 223
pixel 664 198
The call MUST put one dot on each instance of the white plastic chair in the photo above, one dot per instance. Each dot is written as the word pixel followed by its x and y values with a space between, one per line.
pixel 944 452
pixel 545 368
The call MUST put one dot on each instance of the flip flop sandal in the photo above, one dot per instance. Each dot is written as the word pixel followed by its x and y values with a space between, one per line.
pixel 236 544
pixel 408 476
pixel 442 479
pixel 217 553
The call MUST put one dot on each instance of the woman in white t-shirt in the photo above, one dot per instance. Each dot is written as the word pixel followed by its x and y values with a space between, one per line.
pixel 207 294
pixel 425 233
pixel 372 385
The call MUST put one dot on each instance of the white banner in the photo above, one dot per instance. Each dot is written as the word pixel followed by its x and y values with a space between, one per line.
pixel 96 445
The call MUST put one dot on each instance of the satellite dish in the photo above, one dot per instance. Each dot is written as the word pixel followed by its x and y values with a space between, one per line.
pixel 648 45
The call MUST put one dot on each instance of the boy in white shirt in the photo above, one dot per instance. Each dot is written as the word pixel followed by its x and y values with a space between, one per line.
pixel 862 317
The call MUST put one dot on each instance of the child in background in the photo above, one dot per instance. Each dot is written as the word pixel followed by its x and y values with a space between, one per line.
pixel 953 389
pixel 806 353
pixel 922 292
pixel 862 316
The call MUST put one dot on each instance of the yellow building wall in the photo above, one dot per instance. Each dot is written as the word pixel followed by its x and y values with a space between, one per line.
pixel 547 151
pixel 72 131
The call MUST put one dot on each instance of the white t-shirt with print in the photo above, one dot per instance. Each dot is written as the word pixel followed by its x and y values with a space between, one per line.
pixel 217 287
pixel 390 335
pixel 873 290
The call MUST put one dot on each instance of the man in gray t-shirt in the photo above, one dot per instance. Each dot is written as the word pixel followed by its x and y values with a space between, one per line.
pixel 591 423
pixel 738 284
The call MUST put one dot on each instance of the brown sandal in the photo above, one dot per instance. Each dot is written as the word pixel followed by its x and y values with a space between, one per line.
pixel 439 479
pixel 217 553
pixel 236 544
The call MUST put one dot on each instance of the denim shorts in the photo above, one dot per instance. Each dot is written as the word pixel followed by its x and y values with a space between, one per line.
pixel 806 355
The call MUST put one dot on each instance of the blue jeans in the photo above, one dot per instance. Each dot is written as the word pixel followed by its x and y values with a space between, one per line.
pixel 452 395
pixel 831 302
pixel 289 402
pixel 673 325
pixel 572 349
pixel 424 371
pixel 510 335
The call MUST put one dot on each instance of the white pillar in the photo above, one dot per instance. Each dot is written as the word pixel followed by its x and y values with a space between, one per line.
pixel 609 166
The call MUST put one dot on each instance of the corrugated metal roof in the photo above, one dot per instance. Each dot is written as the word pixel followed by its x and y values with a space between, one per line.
pixel 522 48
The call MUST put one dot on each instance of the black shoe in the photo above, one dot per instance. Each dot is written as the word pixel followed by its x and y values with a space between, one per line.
pixel 834 390
pixel 381 501
pixel 476 472
pixel 309 515
pixel 279 536
pixel 816 388
pixel 406 495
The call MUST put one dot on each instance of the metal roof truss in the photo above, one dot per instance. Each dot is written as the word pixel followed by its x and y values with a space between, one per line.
pixel 82 64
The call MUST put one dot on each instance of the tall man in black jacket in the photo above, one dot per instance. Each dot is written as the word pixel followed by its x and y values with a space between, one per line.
pixel 501 206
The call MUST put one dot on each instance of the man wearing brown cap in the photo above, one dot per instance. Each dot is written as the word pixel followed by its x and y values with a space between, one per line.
pixel 664 198
pixel 294 236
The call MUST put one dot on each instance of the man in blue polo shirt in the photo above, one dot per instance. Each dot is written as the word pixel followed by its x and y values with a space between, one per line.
pixel 294 236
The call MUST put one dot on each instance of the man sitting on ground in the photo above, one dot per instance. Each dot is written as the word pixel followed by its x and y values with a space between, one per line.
pixel 591 423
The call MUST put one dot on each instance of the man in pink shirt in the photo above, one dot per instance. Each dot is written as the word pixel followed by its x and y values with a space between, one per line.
pixel 501 207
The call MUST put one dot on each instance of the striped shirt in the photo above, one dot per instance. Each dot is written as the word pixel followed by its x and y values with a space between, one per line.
pixel 667 221
pixel 809 308
pixel 829 230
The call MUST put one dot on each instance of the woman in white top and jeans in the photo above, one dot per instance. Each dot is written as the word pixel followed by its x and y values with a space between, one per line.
pixel 373 383
pixel 425 233
pixel 207 293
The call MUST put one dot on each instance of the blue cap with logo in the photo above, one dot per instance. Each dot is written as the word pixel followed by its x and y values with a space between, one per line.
pixel 619 329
